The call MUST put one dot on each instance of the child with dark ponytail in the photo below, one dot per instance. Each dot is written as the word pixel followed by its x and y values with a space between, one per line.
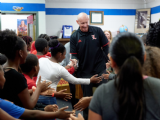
pixel 51 70
pixel 131 96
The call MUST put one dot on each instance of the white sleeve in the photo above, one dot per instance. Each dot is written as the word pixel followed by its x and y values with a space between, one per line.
pixel 71 79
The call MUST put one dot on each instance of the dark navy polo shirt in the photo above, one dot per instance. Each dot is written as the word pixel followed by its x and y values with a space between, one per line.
pixel 87 48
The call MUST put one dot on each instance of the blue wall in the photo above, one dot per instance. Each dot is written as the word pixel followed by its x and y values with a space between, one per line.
pixel 155 10
pixel 26 6
pixel 75 11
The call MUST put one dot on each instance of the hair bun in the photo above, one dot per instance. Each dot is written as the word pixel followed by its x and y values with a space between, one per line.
pixel 53 43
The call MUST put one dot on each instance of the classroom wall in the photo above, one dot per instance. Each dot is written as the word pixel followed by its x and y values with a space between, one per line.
pixel 31 6
pixel 115 14
pixel 155 10
pixel 7 22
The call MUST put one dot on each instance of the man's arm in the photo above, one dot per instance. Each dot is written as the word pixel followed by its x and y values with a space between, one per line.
pixel 104 42
pixel 73 49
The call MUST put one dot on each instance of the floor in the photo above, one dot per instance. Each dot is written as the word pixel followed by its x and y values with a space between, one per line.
pixel 61 103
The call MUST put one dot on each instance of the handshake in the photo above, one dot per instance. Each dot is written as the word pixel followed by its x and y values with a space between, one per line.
pixel 72 63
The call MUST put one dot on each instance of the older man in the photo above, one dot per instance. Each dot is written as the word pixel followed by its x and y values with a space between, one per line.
pixel 89 46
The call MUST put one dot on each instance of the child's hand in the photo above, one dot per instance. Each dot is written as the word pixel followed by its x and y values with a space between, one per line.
pixel 61 94
pixel 95 79
pixel 106 76
pixel 51 108
pixel 61 114
pixel 83 103
pixel 80 117
pixel 48 92
pixel 43 85
pixel 108 64
pixel 30 91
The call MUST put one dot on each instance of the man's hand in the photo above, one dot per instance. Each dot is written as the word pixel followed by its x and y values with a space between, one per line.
pixel 80 117
pixel 61 94
pixel 51 108
pixel 73 62
pixel 83 103
pixel 106 76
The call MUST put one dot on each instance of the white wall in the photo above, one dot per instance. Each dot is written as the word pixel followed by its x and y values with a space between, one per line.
pixel 42 22
pixel 54 23
pixel 154 17
pixel 10 21
pixel 111 22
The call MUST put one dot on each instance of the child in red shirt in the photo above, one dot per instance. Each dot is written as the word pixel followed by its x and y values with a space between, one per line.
pixel 42 49
pixel 33 48
pixel 30 69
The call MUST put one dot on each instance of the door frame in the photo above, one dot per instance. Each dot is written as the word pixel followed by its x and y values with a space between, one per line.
pixel 23 12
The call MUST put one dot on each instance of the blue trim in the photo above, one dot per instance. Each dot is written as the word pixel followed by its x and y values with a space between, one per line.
pixel 75 11
pixel 155 10
pixel 26 6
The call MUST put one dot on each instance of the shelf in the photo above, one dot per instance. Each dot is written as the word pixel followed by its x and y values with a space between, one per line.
pixel 64 40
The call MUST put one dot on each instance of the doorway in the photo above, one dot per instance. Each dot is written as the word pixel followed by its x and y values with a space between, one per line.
pixel 23 23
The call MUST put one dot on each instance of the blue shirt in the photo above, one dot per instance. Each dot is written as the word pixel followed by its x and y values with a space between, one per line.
pixel 12 109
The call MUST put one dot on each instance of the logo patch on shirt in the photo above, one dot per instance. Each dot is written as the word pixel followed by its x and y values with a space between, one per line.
pixel 79 41
pixel 93 37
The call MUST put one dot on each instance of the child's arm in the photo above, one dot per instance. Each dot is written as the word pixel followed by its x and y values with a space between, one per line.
pixel 6 116
pixel 28 101
pixel 41 115
pixel 60 94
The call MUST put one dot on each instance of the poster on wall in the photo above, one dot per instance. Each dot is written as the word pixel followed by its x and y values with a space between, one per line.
pixel 22 27
pixel 142 21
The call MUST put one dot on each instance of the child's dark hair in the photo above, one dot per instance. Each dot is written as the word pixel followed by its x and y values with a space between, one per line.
pixel 31 61
pixel 40 44
pixel 10 43
pixel 153 36
pixel 27 39
pixel 3 59
pixel 56 47
pixel 45 36
pixel 151 65
pixel 127 50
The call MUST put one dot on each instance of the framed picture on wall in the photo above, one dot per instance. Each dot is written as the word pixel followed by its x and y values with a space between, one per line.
pixel 142 21
pixel 22 27
pixel 96 17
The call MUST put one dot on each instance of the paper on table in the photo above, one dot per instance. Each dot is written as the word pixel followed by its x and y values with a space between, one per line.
pixel 67 31
pixel 96 17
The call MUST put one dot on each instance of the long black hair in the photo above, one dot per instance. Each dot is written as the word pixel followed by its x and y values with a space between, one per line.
pixel 127 50
pixel 56 47
pixel 10 43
